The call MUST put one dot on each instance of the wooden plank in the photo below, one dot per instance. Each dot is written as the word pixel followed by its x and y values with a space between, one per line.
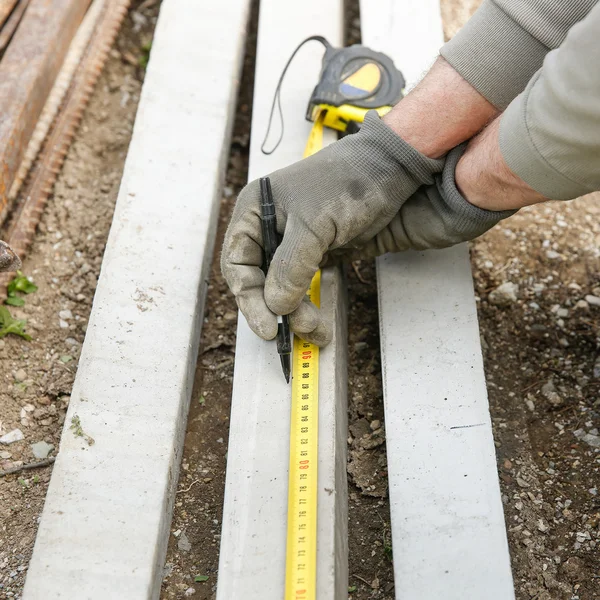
pixel 448 530
pixel 103 533
pixel 253 543
pixel 27 72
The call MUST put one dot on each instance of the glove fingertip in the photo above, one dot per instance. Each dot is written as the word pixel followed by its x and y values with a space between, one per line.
pixel 259 318
pixel 320 336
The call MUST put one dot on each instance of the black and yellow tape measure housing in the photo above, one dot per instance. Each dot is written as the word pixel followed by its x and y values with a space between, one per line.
pixel 353 81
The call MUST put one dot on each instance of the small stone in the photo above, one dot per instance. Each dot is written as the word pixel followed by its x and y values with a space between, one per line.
pixel 177 533
pixel 360 346
pixel 592 300
pixel 588 438
pixel 375 425
pixel 522 483
pixel 552 255
pixel 183 543
pixel 543 527
pixel 562 313
pixel 230 316
pixel 5 454
pixel 71 342
pixel 582 305
pixel 63 324
pixel 20 375
pixel 550 393
pixel 41 450
pixel 504 294
pixel 65 315
pixel 227 192
pixel 16 435
pixel 597 368
pixel 190 591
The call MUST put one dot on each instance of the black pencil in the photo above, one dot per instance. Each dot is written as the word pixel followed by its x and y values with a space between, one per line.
pixel 270 244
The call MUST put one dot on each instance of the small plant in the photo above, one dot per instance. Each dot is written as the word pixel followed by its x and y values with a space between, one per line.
pixel 10 325
pixel 145 55
pixel 20 284
pixel 200 578
pixel 78 431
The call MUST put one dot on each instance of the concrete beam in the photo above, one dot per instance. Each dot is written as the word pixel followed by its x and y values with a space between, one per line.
pixel 105 524
pixel 448 530
pixel 253 543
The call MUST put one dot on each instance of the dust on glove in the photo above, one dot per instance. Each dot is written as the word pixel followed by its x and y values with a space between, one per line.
pixel 436 216
pixel 340 197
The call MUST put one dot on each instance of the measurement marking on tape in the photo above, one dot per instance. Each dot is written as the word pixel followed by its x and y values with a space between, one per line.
pixel 301 549
pixel 301 563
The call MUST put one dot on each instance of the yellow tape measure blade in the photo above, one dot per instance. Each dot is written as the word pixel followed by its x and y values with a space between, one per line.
pixel 301 555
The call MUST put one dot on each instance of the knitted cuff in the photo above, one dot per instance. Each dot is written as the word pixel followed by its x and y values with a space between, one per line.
pixel 467 219
pixel 495 54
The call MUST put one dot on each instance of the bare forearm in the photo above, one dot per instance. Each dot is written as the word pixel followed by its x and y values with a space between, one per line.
pixel 442 111
pixel 485 180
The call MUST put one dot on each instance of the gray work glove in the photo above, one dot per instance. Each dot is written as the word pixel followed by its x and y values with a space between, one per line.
pixel 435 216
pixel 339 197
pixel 9 261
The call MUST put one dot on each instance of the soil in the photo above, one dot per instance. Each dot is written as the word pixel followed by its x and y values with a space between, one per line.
pixel 541 352
pixel 64 262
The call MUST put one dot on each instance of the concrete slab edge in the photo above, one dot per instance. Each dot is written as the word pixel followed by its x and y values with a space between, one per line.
pixel 105 525
pixel 448 530
pixel 253 541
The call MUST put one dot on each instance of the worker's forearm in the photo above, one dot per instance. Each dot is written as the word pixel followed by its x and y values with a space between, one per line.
pixel 442 111
pixel 485 180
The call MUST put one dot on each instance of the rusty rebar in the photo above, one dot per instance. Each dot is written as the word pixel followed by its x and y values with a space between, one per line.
pixel 43 175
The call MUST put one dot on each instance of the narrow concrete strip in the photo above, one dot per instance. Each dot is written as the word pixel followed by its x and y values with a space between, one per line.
pixel 448 530
pixel 105 524
pixel 252 558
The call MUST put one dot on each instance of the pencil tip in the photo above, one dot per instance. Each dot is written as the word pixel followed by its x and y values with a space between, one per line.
pixel 286 366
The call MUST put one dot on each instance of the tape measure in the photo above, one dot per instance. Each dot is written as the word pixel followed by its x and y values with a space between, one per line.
pixel 301 551
pixel 353 81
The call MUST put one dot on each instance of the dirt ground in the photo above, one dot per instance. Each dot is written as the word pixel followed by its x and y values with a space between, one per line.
pixel 36 377
pixel 541 351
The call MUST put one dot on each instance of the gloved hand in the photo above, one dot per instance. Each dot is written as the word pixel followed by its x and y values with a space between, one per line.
pixel 9 261
pixel 339 197
pixel 436 216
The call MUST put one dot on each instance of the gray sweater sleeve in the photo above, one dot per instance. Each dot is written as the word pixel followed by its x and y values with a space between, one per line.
pixel 550 133
pixel 505 42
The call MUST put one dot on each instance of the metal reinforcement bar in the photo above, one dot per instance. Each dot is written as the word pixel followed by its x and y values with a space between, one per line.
pixel 27 73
